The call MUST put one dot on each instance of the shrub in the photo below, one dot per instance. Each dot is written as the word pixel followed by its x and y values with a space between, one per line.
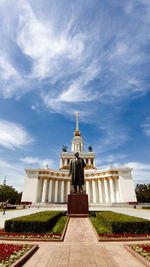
pixel 146 207
pixel 118 223
pixel 40 222
pixel 59 226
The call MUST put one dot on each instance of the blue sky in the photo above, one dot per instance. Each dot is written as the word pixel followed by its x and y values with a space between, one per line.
pixel 62 56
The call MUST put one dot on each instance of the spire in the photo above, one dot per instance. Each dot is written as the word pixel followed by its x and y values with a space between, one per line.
pixel 77 132
pixel 77 126
pixel 4 182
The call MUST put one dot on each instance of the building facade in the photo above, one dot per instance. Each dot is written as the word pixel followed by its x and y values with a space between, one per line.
pixel 105 186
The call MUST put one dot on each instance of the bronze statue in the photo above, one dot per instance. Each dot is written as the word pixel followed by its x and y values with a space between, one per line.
pixel 77 172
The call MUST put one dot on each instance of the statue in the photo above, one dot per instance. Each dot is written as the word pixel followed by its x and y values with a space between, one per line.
pixel 90 148
pixel 77 172
pixel 64 148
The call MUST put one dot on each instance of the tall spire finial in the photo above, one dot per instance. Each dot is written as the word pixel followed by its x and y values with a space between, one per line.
pixel 77 126
pixel 77 133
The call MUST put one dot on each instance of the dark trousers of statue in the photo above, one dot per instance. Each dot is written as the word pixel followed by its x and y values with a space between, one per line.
pixel 78 181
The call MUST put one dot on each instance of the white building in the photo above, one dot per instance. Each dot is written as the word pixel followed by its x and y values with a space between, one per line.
pixel 105 186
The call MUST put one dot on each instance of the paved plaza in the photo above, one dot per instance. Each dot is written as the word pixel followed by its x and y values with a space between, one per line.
pixel 80 246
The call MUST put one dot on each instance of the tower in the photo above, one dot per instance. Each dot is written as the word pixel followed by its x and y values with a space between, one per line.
pixel 77 141
pixel 77 146
pixel 4 181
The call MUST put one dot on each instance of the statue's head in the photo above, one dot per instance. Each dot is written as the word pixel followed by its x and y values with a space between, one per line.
pixel 76 154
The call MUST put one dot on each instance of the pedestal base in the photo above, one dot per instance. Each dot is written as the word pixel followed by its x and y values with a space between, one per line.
pixel 78 205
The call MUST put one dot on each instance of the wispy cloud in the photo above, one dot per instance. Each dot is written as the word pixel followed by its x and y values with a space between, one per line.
pixel 111 138
pixel 13 136
pixel 73 57
pixel 91 59
pixel 44 44
pixel 141 171
pixel 146 127
pixel 14 174
pixel 37 161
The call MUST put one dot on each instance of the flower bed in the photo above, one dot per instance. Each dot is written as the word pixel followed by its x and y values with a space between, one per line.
pixel 124 237
pixel 9 253
pixel 4 235
pixel 141 252
pixel 142 249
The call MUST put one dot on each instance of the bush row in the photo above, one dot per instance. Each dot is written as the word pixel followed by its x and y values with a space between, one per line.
pixel 40 222
pixel 116 223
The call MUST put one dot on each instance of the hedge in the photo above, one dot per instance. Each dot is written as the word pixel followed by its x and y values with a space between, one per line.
pixel 40 222
pixel 117 223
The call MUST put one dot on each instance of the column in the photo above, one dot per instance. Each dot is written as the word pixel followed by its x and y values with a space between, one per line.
pixel 93 162
pixel 106 191
pixel 82 148
pixel 50 191
pixel 40 189
pixel 44 191
pixel 89 162
pixel 100 191
pixel 112 193
pixel 56 191
pixel 117 190
pixel 37 190
pixel 87 189
pixel 61 163
pixel 68 187
pixel 94 191
pixel 62 191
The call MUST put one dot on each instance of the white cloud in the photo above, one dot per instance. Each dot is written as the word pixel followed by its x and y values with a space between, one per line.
pixel 37 161
pixel 40 40
pixel 121 49
pixel 70 56
pixel 6 69
pixel 146 127
pixel 78 91
pixel 140 173
pixel 10 79
pixel 12 135
pixel 14 174
pixel 111 138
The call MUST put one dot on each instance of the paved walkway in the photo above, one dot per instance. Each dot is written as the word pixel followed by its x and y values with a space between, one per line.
pixel 80 230
pixel 81 248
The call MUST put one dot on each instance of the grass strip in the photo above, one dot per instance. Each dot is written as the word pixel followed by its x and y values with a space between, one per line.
pixel 99 226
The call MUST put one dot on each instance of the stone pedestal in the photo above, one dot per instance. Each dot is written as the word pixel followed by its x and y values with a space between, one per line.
pixel 78 205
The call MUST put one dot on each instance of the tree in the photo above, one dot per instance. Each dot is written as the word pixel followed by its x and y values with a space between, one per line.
pixel 143 193
pixel 8 193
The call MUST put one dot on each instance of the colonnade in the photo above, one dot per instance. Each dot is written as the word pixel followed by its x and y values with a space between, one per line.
pixel 99 190
pixel 66 162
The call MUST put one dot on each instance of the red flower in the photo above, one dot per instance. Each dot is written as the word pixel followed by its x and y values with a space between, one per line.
pixel 8 249
pixel 147 248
